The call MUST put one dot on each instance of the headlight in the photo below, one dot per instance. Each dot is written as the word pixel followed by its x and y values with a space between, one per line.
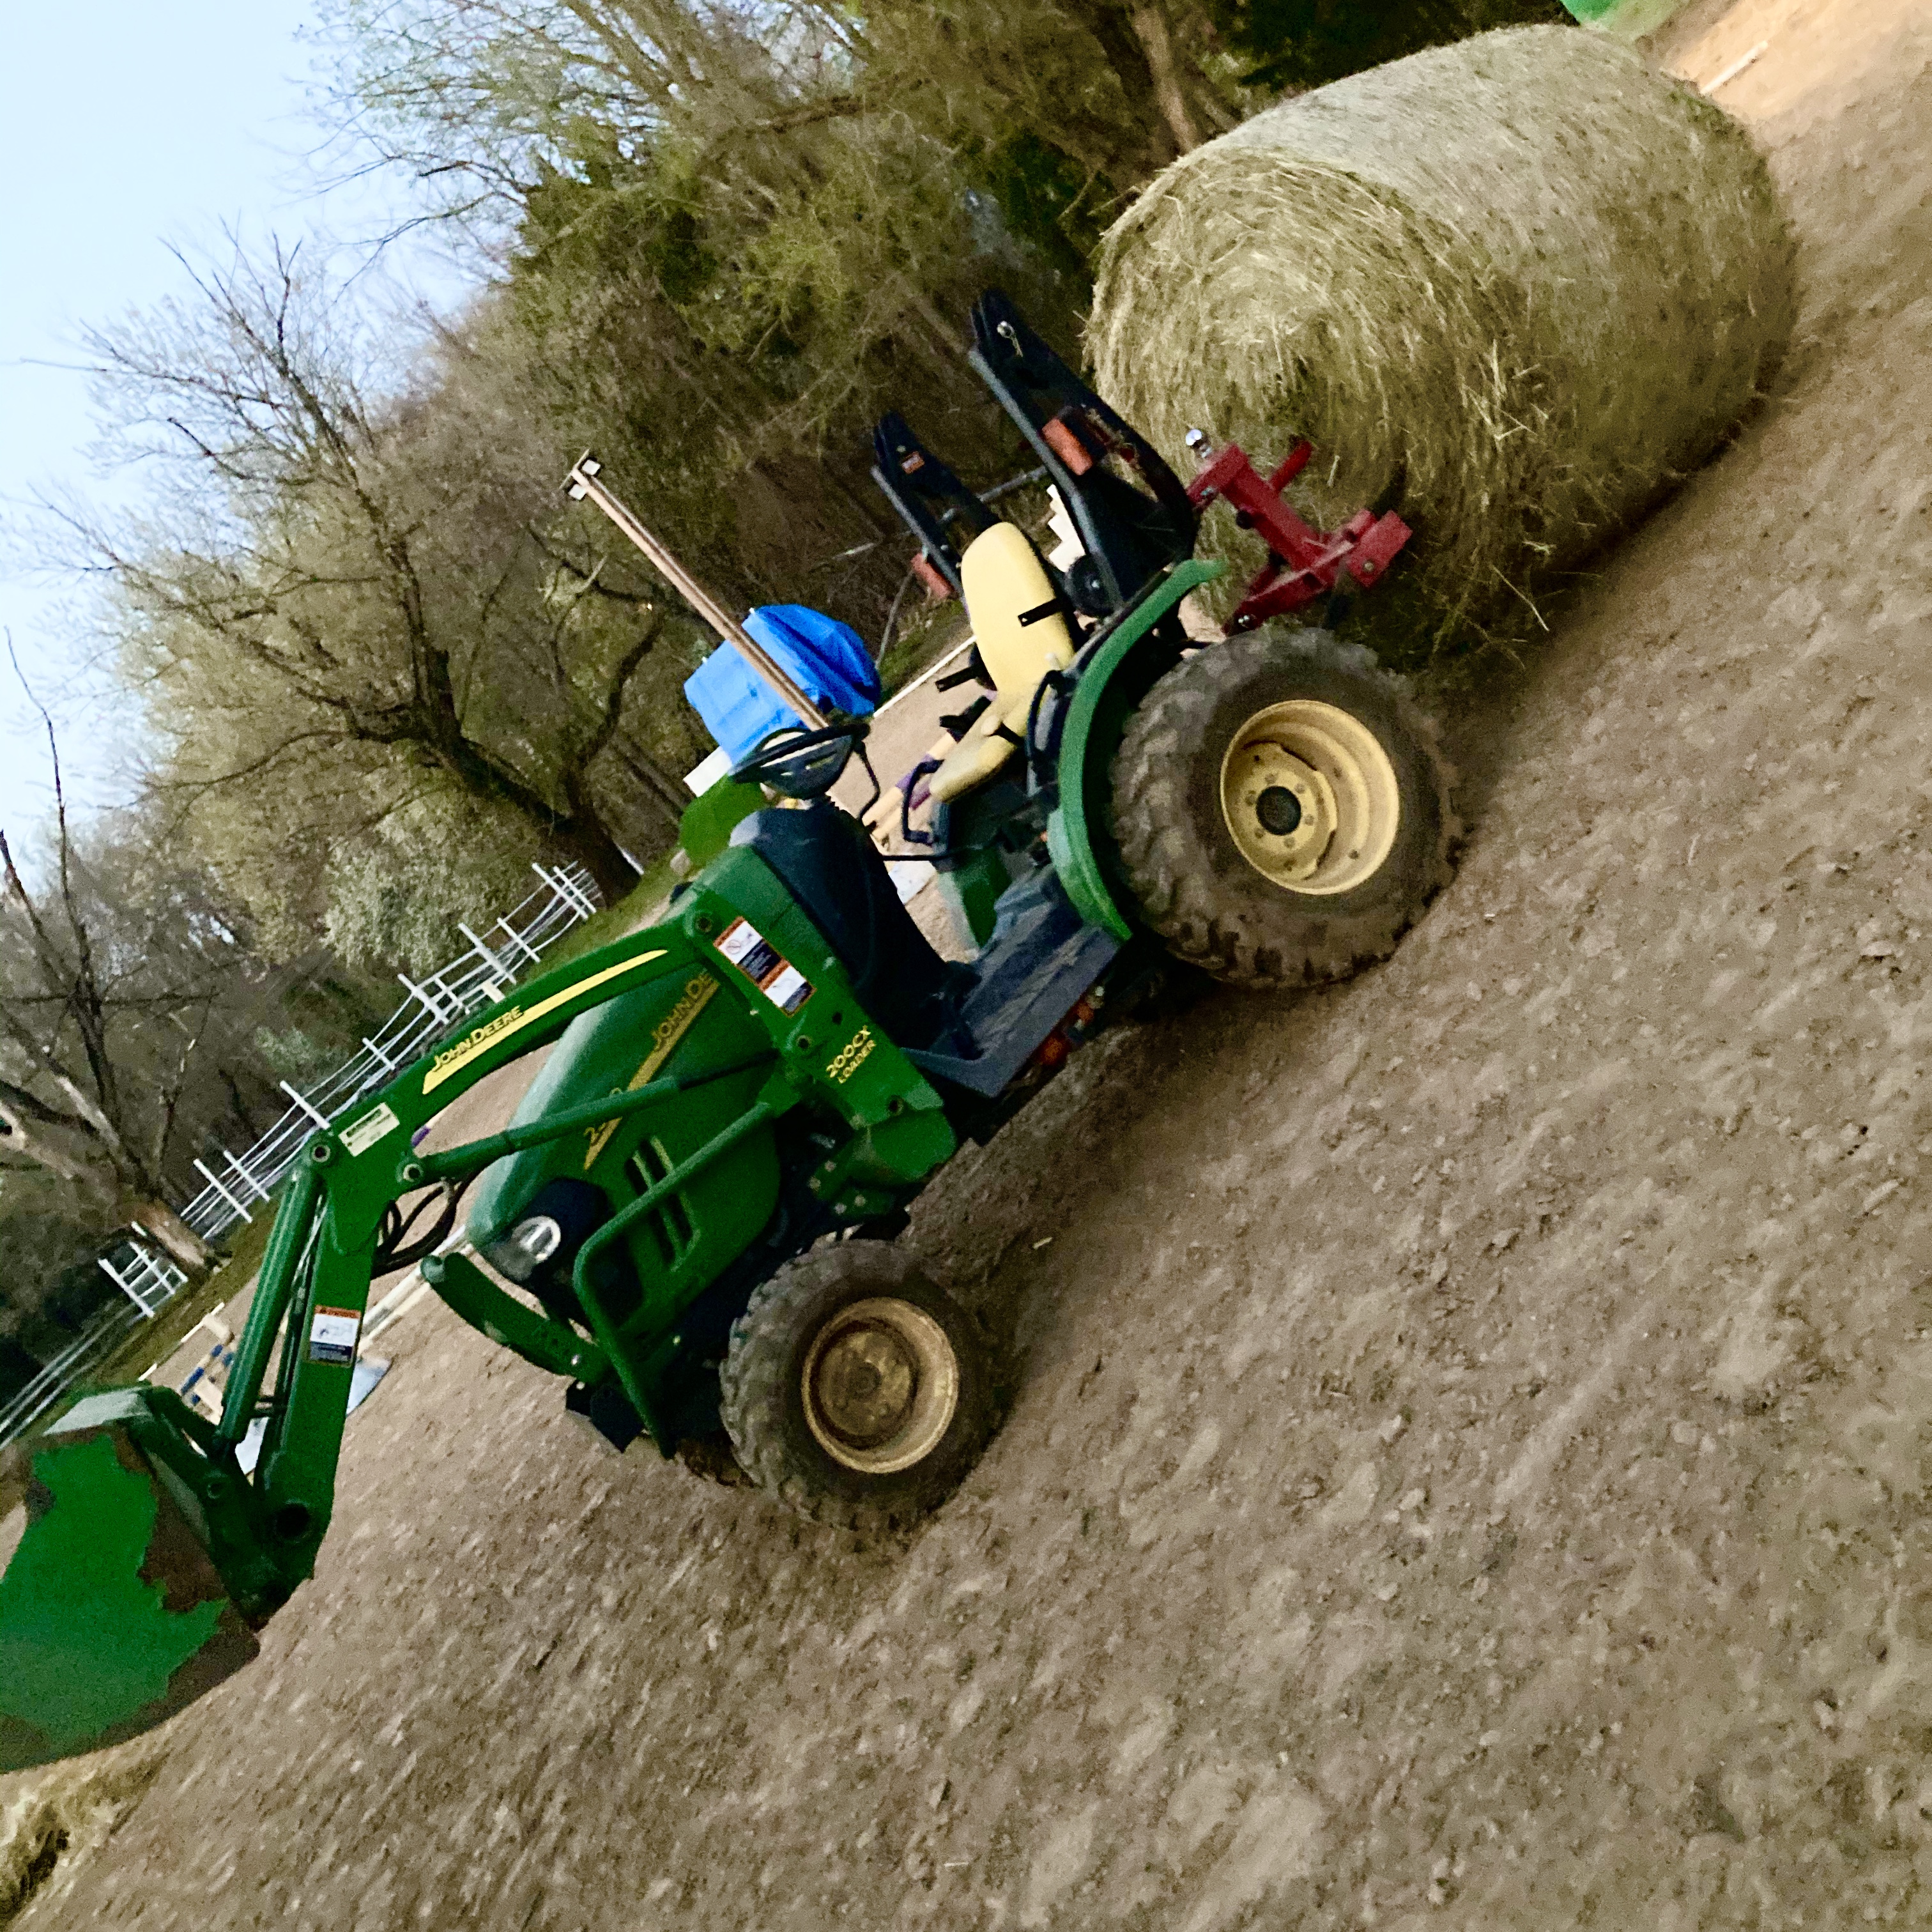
pixel 519 1254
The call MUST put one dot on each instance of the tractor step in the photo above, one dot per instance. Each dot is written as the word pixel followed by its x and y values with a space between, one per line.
pixel 1042 956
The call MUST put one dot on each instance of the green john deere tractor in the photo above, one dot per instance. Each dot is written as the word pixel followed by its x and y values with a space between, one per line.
pixel 690 1220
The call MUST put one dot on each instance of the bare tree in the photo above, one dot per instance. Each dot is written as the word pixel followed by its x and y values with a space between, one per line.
pixel 834 168
pixel 334 583
pixel 97 1031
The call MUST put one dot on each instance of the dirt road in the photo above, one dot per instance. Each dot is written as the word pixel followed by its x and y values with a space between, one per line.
pixel 1467 1458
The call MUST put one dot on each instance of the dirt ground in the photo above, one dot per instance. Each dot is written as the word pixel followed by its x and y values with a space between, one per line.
pixel 1467 1461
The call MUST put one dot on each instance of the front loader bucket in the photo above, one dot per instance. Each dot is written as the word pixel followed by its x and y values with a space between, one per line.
pixel 112 1615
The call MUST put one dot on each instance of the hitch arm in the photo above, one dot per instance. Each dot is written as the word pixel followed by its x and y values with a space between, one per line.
pixel 1303 563
pixel 504 1320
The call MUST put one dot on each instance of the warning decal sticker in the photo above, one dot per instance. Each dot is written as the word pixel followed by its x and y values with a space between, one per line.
pixel 332 1334
pixel 370 1129
pixel 761 962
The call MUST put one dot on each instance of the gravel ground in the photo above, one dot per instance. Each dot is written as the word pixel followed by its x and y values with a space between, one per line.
pixel 1467 1455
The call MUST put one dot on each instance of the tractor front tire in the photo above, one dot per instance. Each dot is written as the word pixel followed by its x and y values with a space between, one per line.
pixel 1282 809
pixel 855 1391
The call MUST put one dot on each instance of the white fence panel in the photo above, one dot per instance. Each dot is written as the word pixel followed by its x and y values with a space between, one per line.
pixel 471 981
pixel 568 896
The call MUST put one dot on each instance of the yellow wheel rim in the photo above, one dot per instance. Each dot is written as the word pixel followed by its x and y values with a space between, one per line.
pixel 881 1386
pixel 1310 797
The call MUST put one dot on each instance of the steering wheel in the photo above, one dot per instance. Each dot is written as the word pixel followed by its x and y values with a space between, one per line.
pixel 802 764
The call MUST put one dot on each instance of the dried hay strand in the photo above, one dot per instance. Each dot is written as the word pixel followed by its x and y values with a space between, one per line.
pixel 51 1818
pixel 1514 288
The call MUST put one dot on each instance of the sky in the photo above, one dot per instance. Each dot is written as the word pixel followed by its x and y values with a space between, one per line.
pixel 125 127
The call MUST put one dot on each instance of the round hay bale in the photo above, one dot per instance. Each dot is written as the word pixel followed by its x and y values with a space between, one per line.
pixel 1513 288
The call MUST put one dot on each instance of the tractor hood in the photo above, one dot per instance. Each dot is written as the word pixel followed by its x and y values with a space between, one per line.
pixel 612 1049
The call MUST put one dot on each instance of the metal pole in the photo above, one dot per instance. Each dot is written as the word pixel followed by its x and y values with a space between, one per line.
pixel 157 1263
pixel 489 958
pixel 113 1274
pixel 434 1010
pixel 563 887
pixel 517 939
pixel 522 944
pixel 584 483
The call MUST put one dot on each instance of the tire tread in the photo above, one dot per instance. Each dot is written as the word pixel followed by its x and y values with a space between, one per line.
pixel 1178 895
pixel 754 1387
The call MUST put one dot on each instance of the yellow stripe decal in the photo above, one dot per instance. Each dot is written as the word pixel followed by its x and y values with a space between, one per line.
pixel 499 1026
pixel 672 1028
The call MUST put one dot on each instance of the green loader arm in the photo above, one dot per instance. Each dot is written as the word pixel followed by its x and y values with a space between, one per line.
pixel 150 1558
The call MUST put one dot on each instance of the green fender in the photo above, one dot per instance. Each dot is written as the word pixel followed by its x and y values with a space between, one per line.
pixel 1124 669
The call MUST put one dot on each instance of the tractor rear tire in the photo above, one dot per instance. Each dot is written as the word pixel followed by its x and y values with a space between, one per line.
pixel 856 1391
pixel 1283 808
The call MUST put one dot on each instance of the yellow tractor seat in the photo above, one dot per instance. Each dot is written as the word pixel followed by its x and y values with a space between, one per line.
pixel 986 748
pixel 1004 582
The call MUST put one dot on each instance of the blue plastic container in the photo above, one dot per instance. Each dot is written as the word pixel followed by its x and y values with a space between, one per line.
pixel 827 660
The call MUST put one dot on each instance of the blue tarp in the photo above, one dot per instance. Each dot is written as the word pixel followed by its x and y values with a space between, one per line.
pixel 826 659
